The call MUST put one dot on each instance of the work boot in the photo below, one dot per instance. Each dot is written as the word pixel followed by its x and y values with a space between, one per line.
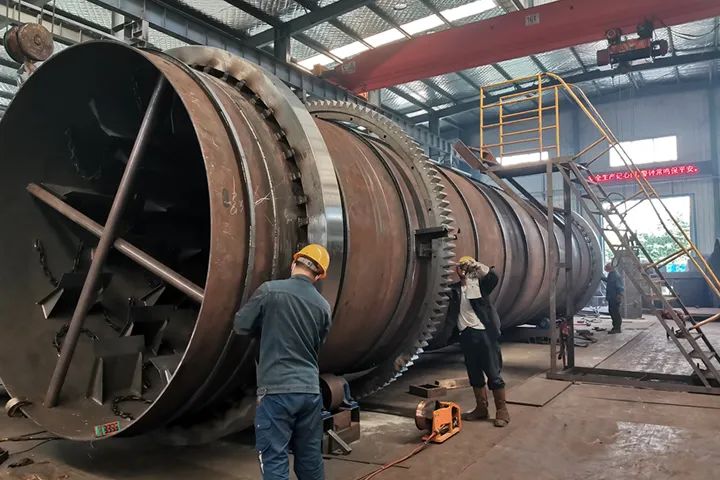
pixel 614 331
pixel 502 416
pixel 481 409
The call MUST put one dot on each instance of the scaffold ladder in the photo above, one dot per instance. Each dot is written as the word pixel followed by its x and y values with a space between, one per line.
pixel 608 217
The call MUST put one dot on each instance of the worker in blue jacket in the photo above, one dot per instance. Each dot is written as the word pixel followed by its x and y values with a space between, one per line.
pixel 479 326
pixel 614 292
pixel 292 320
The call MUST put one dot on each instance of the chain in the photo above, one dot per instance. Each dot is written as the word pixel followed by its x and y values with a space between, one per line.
pixel 127 398
pixel 132 398
pixel 57 340
pixel 40 248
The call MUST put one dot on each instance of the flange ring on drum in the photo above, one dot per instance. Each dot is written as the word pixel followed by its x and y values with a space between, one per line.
pixel 325 215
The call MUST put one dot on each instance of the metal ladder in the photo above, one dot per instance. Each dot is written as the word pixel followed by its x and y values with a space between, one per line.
pixel 593 199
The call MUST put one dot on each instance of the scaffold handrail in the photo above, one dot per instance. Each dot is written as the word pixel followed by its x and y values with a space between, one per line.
pixel 597 202
pixel 545 82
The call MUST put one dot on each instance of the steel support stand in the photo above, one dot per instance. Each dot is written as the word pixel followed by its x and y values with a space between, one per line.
pixel 551 262
pixel 569 290
pixel 551 253
pixel 89 290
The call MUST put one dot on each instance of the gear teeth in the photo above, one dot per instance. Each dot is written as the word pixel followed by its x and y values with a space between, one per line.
pixel 440 214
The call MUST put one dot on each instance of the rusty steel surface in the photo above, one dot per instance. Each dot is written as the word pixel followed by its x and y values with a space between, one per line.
pixel 421 306
pixel 11 42
pixel 238 174
pixel 333 391
pixel 317 176
pixel 496 230
pixel 35 42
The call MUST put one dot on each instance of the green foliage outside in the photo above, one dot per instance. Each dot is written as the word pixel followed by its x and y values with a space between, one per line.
pixel 659 244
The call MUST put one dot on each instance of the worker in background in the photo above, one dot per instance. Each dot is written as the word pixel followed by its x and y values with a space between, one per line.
pixel 292 319
pixel 614 291
pixel 479 326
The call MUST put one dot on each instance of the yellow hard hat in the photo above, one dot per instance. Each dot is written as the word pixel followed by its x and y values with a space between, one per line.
pixel 466 259
pixel 318 255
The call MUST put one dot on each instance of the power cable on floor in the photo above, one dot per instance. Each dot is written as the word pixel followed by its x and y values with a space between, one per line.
pixel 29 437
pixel 34 446
pixel 387 466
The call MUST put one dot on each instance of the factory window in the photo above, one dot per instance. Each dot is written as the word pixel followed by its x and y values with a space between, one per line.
pixel 523 158
pixel 649 150
pixel 645 223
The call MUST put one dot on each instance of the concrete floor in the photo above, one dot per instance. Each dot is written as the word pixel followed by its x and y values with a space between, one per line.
pixel 586 431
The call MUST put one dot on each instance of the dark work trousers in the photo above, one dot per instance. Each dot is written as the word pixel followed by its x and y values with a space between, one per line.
pixel 482 358
pixel 289 421
pixel 614 309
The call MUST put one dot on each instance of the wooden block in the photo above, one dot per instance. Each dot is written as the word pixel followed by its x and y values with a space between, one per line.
pixel 427 391
pixel 451 383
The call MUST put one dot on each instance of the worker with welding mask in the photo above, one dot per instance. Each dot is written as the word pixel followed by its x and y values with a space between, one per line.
pixel 292 320
pixel 479 326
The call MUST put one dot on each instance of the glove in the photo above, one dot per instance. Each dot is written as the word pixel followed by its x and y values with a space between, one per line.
pixel 476 269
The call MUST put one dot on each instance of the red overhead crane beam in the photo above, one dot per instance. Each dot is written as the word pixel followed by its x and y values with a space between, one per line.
pixel 552 26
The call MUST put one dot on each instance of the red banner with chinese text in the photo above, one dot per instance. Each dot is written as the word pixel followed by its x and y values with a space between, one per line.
pixel 648 173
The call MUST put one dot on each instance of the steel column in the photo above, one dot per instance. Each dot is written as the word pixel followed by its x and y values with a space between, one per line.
pixel 568 265
pixel 281 46
pixel 714 153
pixel 87 295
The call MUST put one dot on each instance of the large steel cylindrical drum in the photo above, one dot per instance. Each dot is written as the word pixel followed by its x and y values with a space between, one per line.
pixel 238 174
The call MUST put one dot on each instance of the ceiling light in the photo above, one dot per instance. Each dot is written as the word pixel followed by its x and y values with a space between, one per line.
pixel 467 10
pixel 400 6
pixel 422 24
pixel 384 37
pixel 316 60
pixel 349 50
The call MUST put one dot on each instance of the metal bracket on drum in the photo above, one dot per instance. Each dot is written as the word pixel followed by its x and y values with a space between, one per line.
pixel 424 238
